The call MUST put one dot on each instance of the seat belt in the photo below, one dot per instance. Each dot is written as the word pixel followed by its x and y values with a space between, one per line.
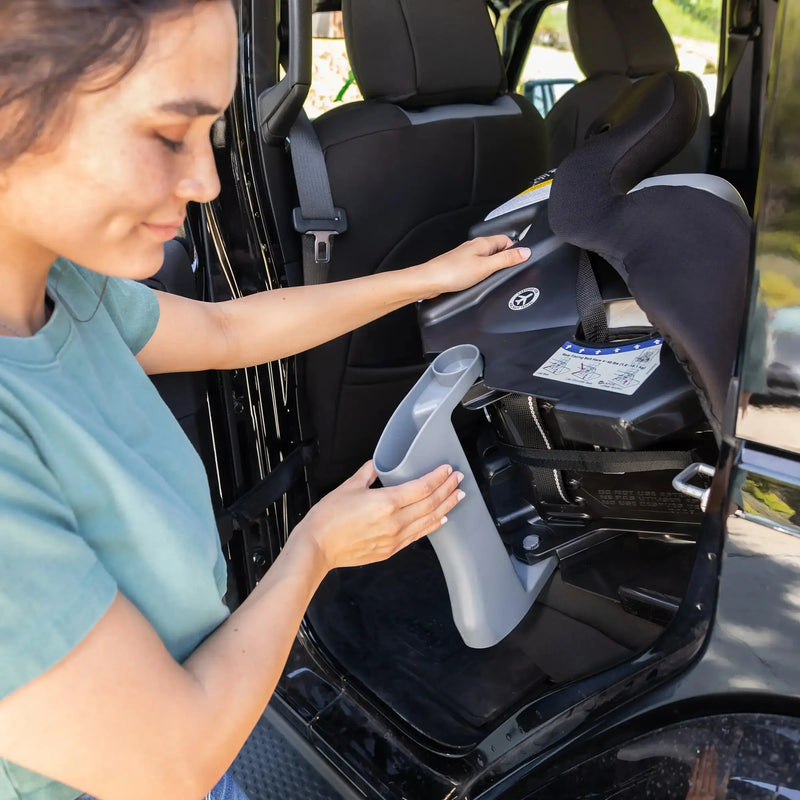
pixel 316 217
pixel 251 505
pixel 739 88
pixel 590 302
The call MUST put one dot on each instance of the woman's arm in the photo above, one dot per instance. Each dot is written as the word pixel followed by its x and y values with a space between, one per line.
pixel 120 719
pixel 270 325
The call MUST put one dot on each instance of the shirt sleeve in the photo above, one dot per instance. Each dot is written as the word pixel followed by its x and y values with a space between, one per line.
pixel 53 590
pixel 133 308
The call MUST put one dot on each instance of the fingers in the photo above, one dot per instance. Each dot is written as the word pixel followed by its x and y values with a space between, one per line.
pixel 695 771
pixel 406 494
pixel 420 507
pixel 501 244
pixel 709 779
pixel 365 475
pixel 430 513
pixel 514 256
pixel 703 779
pixel 489 245
pixel 422 526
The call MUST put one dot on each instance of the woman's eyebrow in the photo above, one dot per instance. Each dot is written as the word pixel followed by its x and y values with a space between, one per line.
pixel 191 108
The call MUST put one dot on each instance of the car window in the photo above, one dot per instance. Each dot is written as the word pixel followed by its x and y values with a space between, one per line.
pixel 550 68
pixel 332 80
pixel 770 367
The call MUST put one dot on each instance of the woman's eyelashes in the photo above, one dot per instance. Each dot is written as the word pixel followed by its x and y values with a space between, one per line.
pixel 173 145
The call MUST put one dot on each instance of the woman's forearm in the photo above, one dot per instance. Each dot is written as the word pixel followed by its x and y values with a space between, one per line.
pixel 238 666
pixel 271 325
pixel 283 322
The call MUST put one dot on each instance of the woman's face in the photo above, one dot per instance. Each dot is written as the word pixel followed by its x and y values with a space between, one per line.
pixel 115 184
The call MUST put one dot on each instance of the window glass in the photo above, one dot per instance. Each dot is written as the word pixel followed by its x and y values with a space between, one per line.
pixel 550 69
pixel 332 80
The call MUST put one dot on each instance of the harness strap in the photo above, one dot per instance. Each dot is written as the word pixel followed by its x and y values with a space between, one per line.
pixel 600 461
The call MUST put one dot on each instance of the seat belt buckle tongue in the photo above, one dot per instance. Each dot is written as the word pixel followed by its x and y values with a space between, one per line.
pixel 323 231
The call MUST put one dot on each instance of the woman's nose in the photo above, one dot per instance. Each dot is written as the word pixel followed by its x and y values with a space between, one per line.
pixel 200 181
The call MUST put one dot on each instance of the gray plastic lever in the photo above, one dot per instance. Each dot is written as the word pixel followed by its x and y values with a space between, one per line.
pixel 490 592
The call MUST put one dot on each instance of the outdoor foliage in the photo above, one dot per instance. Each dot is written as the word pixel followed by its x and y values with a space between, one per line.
pixel 706 11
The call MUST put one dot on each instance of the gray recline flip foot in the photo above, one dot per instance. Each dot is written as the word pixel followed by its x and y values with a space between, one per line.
pixel 489 594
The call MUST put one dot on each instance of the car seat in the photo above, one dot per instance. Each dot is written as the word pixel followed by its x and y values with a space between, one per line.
pixel 437 142
pixel 586 433
pixel 616 43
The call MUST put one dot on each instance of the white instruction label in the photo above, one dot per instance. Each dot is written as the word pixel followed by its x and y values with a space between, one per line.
pixel 618 368
pixel 540 190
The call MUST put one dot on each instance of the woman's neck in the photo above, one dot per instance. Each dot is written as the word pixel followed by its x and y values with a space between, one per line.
pixel 23 276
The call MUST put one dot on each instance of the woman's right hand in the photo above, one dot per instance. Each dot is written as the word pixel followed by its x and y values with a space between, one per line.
pixel 356 525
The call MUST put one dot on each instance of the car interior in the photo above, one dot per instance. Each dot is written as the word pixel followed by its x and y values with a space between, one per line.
pixel 614 48
pixel 622 261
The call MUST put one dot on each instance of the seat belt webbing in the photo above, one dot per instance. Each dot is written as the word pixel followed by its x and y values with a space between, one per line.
pixel 316 217
pixel 590 302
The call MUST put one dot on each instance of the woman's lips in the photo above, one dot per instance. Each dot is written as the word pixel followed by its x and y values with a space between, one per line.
pixel 164 232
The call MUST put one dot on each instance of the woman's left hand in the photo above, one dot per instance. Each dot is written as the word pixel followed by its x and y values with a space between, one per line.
pixel 469 263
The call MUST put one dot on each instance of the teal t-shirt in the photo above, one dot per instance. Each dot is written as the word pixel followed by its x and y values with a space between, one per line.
pixel 100 491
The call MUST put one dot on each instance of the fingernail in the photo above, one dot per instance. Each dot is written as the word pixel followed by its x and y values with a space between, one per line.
pixel 460 495
pixel 460 477
pixel 443 520
pixel 525 252
pixel 449 470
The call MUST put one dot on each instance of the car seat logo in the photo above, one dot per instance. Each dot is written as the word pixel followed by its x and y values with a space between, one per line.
pixel 523 299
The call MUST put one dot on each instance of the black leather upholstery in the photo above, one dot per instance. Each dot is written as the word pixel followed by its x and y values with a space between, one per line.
pixel 438 144
pixel 617 42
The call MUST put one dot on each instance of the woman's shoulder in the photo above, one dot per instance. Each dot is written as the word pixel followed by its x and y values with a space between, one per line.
pixel 130 306
pixel 67 278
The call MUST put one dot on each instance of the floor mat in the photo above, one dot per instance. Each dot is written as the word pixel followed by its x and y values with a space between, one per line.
pixel 390 626
pixel 269 768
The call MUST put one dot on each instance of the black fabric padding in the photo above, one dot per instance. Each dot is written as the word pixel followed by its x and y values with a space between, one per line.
pixel 411 192
pixel 622 37
pixel 686 252
pixel 419 53
pixel 659 116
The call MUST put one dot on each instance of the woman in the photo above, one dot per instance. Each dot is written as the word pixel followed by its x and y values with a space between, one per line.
pixel 121 672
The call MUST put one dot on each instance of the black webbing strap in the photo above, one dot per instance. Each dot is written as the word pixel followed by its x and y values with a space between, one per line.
pixel 316 217
pixel 590 302
pixel 600 461
pixel 269 489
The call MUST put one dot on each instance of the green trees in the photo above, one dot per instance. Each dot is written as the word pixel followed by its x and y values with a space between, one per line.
pixel 706 11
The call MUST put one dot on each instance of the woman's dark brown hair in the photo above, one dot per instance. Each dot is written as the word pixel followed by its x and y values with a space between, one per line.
pixel 49 47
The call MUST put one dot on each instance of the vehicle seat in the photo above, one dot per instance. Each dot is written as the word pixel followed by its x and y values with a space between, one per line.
pixel 616 43
pixel 437 143
pixel 183 392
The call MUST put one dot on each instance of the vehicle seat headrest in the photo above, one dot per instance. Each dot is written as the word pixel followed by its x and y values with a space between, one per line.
pixel 619 37
pixel 419 53
pixel 684 252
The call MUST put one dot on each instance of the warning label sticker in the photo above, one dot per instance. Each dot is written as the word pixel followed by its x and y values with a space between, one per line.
pixel 539 191
pixel 620 368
